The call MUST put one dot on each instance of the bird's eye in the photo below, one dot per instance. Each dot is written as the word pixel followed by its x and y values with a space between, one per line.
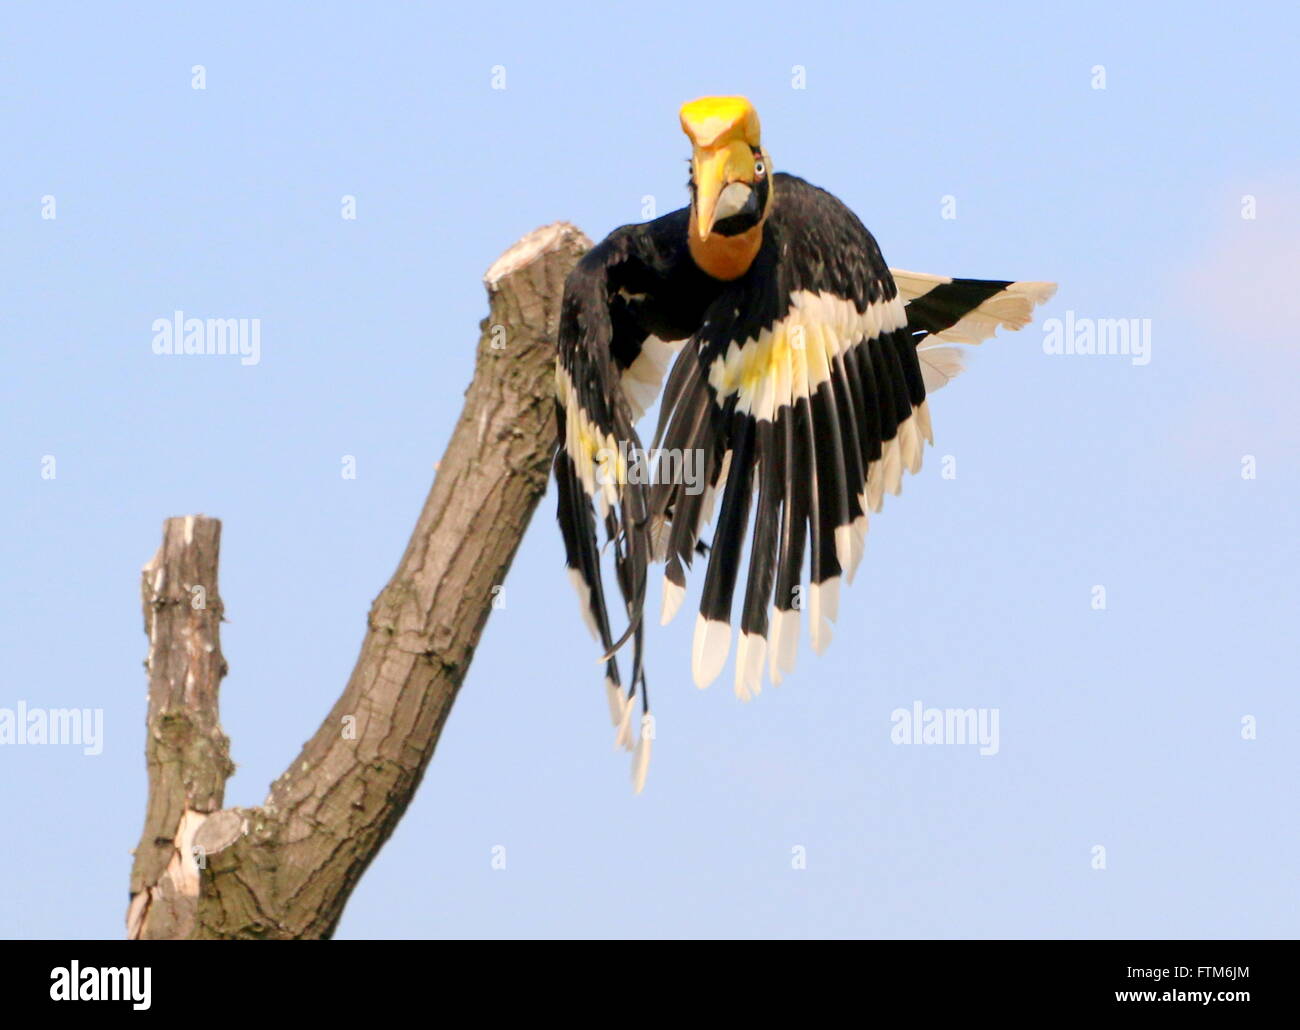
pixel 759 168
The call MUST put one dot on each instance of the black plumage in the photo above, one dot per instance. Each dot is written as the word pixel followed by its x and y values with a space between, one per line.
pixel 799 384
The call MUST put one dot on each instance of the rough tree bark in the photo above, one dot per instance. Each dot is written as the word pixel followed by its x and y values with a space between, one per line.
pixel 285 869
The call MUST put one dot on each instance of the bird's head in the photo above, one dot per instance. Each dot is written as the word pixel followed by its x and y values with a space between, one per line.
pixel 730 171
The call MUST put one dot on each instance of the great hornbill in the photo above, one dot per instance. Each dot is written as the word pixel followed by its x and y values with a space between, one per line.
pixel 802 367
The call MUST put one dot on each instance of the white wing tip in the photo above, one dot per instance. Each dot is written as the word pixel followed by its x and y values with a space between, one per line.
pixel 709 654
pixel 584 602
pixel 641 760
pixel 1036 292
pixel 750 652
pixel 614 695
pixel 823 609
pixel 784 643
pixel 673 596
pixel 623 738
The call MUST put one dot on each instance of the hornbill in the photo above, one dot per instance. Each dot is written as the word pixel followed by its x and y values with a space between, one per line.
pixel 798 393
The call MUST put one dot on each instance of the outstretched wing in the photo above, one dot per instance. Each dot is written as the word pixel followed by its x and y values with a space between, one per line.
pixel 942 310
pixel 609 365
pixel 803 386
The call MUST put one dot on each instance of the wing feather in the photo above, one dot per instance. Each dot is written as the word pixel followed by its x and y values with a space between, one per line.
pixel 802 397
pixel 812 383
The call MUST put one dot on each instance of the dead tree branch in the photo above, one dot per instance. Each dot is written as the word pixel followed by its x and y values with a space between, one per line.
pixel 285 869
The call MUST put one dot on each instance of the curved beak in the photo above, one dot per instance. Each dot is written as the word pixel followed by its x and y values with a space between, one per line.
pixel 714 169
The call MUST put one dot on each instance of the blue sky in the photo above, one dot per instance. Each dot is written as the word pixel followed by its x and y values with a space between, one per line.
pixel 1119 727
